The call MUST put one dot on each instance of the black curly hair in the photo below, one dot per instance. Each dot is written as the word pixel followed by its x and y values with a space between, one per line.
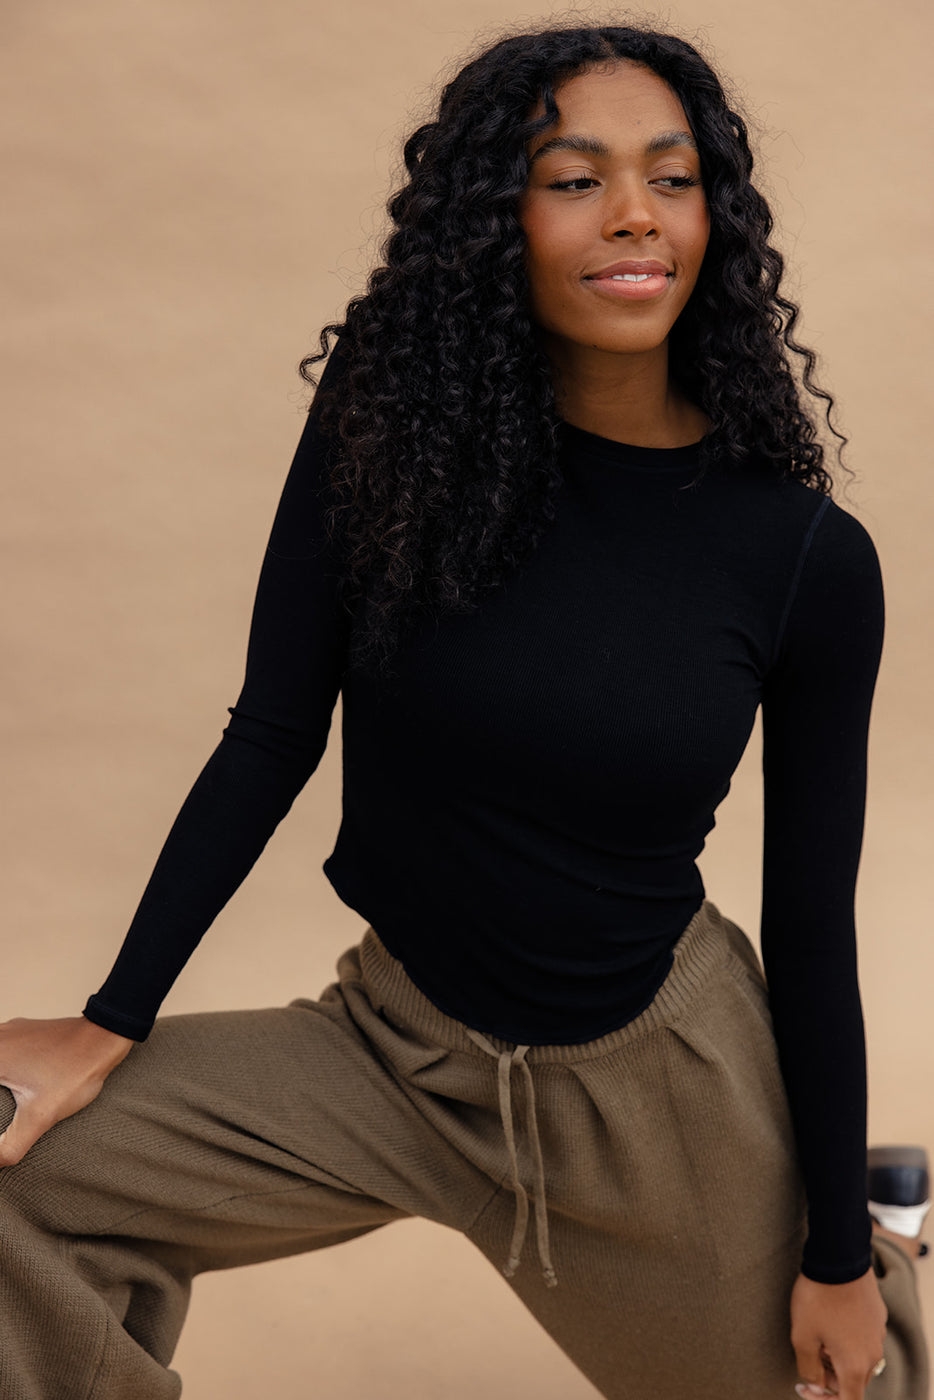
pixel 443 424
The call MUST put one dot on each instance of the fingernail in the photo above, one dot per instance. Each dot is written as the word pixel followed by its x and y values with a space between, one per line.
pixel 808 1391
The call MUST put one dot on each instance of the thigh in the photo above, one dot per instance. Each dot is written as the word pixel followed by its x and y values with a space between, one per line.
pixel 241 1136
pixel 680 1332
pixel 662 1294
pixel 674 1199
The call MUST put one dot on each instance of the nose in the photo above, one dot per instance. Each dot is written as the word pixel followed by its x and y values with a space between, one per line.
pixel 629 212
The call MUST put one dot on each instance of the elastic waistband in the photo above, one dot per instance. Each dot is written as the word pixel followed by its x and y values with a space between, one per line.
pixel 701 951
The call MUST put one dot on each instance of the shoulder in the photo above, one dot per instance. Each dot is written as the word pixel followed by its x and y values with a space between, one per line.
pixel 837 547
pixel 834 607
pixel 836 554
pixel 782 534
pixel 803 523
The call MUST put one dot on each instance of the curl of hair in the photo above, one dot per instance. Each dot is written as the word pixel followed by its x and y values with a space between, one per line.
pixel 445 468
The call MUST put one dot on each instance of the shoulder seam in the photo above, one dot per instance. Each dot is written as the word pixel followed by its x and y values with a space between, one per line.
pixel 796 578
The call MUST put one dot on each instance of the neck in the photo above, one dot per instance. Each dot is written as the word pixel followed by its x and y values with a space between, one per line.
pixel 627 398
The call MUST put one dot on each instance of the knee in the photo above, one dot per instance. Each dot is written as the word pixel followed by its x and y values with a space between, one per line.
pixel 38 1190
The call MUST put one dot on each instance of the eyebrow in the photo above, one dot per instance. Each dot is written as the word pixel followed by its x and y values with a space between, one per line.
pixel 593 146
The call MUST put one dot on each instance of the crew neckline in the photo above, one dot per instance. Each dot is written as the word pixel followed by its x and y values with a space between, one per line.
pixel 581 443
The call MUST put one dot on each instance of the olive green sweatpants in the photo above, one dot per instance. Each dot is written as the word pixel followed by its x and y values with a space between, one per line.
pixel 641 1191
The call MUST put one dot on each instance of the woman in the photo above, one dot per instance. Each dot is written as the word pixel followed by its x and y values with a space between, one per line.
pixel 558 523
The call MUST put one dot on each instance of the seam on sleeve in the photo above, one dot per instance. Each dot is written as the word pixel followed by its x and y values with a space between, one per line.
pixel 796 579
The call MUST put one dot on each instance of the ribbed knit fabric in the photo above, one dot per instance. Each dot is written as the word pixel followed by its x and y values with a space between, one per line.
pixel 669 1181
pixel 541 775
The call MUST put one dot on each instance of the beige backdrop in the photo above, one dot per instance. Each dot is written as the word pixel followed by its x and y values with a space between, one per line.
pixel 191 187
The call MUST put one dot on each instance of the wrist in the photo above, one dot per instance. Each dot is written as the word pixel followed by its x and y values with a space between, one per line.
pixel 112 1047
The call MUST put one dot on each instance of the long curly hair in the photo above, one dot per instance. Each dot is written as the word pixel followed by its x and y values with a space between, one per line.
pixel 443 427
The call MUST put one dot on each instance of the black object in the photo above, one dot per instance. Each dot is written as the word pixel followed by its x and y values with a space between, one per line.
pixel 898 1176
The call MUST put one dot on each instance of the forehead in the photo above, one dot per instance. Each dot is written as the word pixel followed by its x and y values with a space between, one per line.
pixel 624 103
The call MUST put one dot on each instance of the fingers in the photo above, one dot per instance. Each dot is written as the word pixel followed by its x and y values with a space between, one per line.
pixel 845 1387
pixel 7 1108
pixel 23 1132
pixel 850 1382
pixel 818 1381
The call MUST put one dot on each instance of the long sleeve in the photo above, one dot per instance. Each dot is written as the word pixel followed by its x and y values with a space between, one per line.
pixel 816 708
pixel 273 743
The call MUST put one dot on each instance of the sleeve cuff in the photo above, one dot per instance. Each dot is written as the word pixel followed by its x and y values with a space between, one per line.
pixel 102 1015
pixel 844 1273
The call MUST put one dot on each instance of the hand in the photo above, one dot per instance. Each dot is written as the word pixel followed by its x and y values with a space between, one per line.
pixel 837 1331
pixel 52 1069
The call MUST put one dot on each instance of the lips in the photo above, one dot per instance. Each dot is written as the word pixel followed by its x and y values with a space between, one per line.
pixel 630 269
pixel 630 281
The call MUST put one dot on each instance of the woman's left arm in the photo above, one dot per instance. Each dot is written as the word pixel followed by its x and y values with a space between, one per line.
pixel 816 705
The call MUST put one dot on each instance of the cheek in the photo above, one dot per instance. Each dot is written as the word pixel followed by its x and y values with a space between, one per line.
pixel 543 279
pixel 551 249
pixel 696 238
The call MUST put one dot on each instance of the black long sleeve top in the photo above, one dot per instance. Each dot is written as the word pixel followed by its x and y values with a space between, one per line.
pixel 525 799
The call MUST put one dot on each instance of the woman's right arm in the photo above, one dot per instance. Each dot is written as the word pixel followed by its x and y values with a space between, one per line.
pixel 273 743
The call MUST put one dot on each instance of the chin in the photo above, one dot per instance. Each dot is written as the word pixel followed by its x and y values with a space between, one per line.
pixel 630 344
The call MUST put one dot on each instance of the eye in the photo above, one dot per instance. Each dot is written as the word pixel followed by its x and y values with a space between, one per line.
pixel 677 182
pixel 577 182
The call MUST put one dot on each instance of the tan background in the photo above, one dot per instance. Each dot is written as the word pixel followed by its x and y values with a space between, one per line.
pixel 190 188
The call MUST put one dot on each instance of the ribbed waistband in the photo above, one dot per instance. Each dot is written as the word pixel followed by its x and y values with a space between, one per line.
pixel 700 954
pixel 701 950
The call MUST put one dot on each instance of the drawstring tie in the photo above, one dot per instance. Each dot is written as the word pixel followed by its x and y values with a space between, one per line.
pixel 506 1059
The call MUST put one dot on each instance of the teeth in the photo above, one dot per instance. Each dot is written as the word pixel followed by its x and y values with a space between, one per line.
pixel 631 276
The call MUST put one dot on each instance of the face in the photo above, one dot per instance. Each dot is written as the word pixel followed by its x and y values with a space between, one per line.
pixel 614 215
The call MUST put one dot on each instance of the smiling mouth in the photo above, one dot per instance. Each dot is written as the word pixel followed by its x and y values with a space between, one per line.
pixel 635 277
pixel 630 270
pixel 631 286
